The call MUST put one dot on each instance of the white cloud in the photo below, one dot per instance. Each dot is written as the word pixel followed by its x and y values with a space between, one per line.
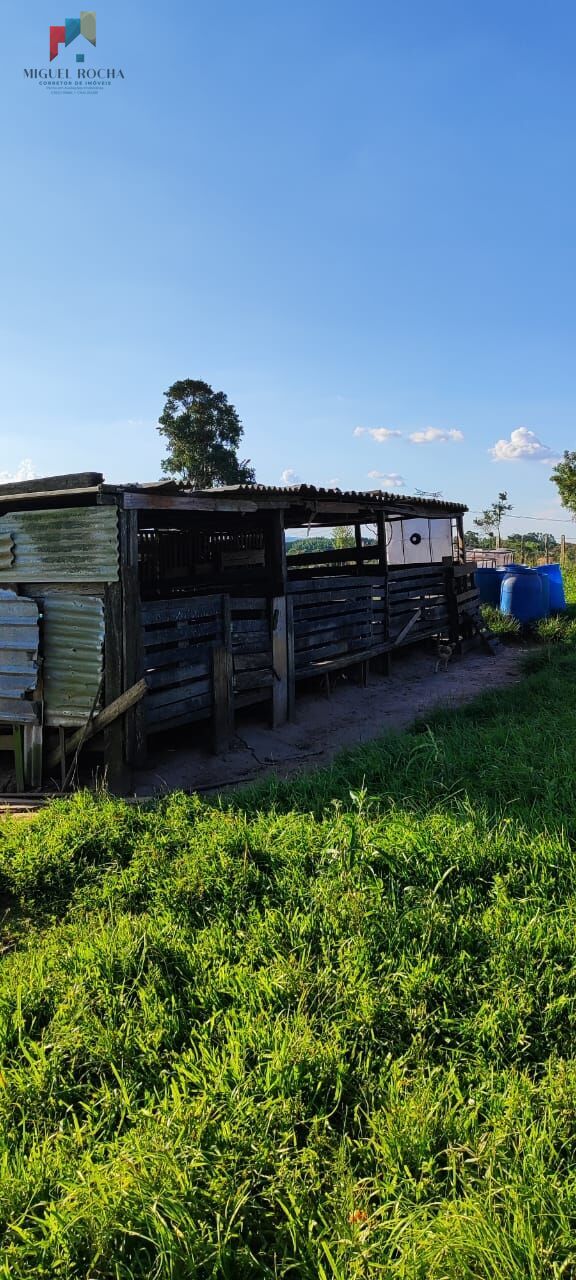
pixel 433 435
pixel 333 483
pixel 25 471
pixel 523 446
pixel 378 433
pixel 289 476
pixel 391 478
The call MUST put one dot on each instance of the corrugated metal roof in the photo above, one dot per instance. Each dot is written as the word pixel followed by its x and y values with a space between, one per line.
pixel 77 544
pixel 309 492
pixel 73 634
pixel 6 549
pixel 18 657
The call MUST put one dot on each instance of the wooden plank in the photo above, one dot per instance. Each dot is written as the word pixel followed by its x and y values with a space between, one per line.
pixel 253 661
pixel 181 712
pixel 199 655
pixel 249 697
pixel 222 679
pixel 74 480
pixel 343 622
pixel 325 637
pixel 248 604
pixel 279 662
pixel 200 631
pixel 327 583
pixel 408 626
pixel 253 680
pixel 188 717
pixel 179 502
pixel 187 692
pixel 181 610
pixel 177 674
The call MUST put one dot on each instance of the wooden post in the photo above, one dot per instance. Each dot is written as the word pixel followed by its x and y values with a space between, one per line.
pixel 358 541
pixel 17 739
pixel 32 752
pixel 290 664
pixel 562 549
pixel 114 735
pixel 279 661
pixel 277 554
pixel 460 539
pixel 132 646
pixel 223 684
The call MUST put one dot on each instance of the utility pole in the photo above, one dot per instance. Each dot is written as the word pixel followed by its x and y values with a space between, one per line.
pixel 562 549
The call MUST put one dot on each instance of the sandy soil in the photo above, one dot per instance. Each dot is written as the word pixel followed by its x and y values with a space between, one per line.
pixel 324 725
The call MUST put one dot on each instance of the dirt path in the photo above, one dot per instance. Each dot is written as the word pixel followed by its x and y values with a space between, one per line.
pixel 324 725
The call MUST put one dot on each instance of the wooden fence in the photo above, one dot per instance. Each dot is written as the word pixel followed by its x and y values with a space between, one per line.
pixel 206 656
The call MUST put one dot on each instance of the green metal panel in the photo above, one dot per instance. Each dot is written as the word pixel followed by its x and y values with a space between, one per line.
pixel 6 550
pixel 78 544
pixel 73 634
pixel 18 657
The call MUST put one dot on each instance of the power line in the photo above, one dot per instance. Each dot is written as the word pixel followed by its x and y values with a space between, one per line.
pixel 546 519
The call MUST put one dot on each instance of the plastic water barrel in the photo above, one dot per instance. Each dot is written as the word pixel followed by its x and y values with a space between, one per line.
pixel 553 573
pixel 545 580
pixel 522 595
pixel 489 582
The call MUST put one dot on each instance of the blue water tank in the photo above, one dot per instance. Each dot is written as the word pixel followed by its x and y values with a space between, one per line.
pixel 553 573
pixel 522 595
pixel 489 582
pixel 545 593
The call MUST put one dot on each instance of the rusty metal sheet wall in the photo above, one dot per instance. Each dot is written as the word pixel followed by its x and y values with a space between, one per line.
pixel 73 638
pixel 19 637
pixel 77 544
pixel 6 549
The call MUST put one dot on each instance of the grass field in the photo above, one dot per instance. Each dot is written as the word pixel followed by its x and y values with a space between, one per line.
pixel 326 1031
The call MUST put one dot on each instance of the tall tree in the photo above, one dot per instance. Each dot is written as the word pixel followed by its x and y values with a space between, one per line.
pixel 564 477
pixel 203 432
pixel 491 518
pixel 343 537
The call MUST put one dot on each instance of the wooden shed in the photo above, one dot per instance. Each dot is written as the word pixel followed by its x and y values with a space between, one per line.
pixel 131 610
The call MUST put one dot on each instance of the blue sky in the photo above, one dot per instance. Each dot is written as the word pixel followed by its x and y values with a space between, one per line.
pixel 344 216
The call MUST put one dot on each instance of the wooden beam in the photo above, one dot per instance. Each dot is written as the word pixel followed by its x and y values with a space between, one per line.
pixel 408 626
pixel 180 502
pixel 103 720
pixel 75 480
pixel 276 553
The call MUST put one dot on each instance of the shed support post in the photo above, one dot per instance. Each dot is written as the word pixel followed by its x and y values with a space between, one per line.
pixel 132 647
pixel 460 539
pixel 290 663
pixel 223 685
pixel 32 751
pixel 358 542
pixel 114 735
pixel 279 661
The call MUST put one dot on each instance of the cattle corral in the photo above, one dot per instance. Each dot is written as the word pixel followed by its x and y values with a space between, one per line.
pixel 129 610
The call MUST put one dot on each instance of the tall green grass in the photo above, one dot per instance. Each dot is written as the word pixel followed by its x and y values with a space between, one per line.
pixel 326 1029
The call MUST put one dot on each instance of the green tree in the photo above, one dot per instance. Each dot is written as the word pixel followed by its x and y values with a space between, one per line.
pixel 564 477
pixel 343 537
pixel 491 518
pixel 203 432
